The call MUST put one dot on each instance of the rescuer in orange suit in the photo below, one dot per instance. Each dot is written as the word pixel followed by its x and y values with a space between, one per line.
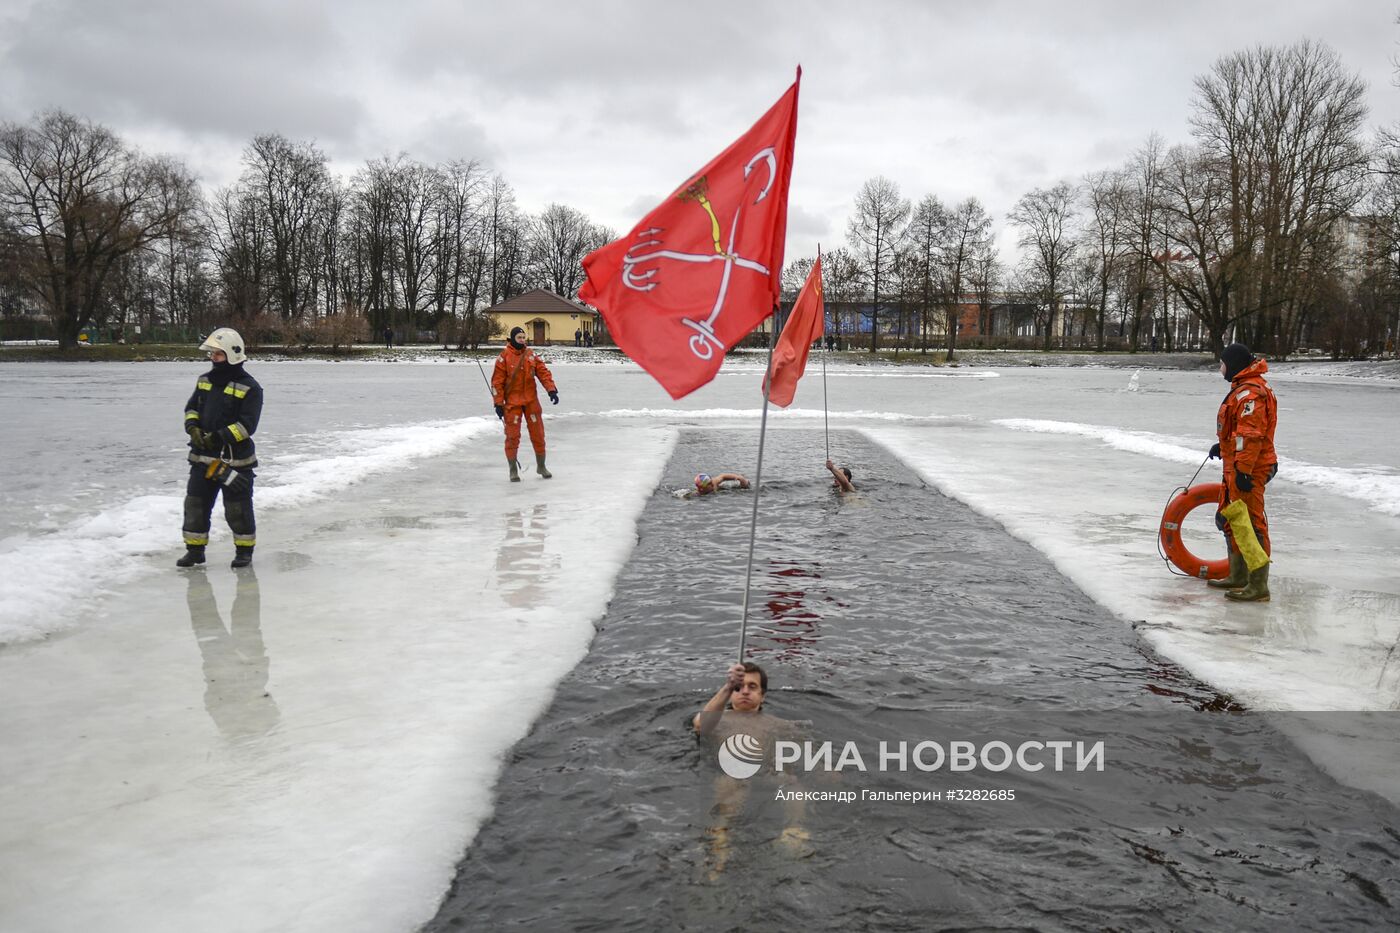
pixel 513 390
pixel 1245 428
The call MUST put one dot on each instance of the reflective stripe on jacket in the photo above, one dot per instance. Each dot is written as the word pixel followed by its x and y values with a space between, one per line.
pixel 513 380
pixel 231 411
pixel 1246 421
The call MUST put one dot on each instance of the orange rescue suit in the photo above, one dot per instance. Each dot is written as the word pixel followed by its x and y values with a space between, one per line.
pixel 1245 428
pixel 513 386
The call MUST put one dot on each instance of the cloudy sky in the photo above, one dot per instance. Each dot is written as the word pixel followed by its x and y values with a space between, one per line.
pixel 607 105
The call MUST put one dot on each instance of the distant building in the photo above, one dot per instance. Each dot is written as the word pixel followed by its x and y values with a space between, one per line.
pixel 547 318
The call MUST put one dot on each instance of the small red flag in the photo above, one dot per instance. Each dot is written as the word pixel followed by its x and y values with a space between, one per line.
pixel 805 324
pixel 699 272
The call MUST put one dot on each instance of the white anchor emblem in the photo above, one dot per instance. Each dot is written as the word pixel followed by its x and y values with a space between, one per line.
pixel 703 342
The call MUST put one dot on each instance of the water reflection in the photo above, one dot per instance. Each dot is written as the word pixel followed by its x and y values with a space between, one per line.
pixel 792 615
pixel 521 564
pixel 235 659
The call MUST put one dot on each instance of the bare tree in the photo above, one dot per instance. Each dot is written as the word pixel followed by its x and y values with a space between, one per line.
pixel 984 277
pixel 1044 216
pixel 76 201
pixel 415 188
pixel 1143 181
pixel 458 280
pixel 967 239
pixel 874 234
pixel 1199 259
pixel 925 235
pixel 290 181
pixel 1105 237
pixel 1283 127
pixel 559 238
pixel 842 280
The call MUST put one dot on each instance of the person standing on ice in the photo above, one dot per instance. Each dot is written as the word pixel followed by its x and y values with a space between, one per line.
pixel 1245 428
pixel 220 418
pixel 513 390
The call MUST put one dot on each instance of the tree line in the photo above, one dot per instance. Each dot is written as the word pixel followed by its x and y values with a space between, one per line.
pixel 1277 224
pixel 96 233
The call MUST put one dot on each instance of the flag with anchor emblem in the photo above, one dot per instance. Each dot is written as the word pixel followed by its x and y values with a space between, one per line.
pixel 700 272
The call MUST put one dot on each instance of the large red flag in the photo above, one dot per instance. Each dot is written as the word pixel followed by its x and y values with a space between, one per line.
pixel 806 323
pixel 701 271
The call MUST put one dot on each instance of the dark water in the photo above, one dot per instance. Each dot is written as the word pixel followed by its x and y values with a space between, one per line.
pixel 899 614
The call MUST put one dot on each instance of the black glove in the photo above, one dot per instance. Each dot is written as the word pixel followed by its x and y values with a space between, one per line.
pixel 202 439
pixel 1214 452
pixel 234 482
pixel 554 396
pixel 1243 483
pixel 1220 521
pixel 501 412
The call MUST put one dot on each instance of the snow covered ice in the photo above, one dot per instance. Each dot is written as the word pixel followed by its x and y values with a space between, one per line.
pixel 311 746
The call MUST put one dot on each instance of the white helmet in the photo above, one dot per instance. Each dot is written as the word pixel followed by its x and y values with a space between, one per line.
pixel 226 339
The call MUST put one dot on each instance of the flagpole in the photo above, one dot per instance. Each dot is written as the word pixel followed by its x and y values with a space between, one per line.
pixel 757 485
pixel 826 408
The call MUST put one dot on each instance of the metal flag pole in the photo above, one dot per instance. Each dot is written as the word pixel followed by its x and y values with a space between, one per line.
pixel 489 391
pixel 757 485
pixel 826 417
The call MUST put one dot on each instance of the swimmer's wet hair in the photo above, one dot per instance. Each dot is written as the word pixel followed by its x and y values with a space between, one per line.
pixel 847 471
pixel 752 668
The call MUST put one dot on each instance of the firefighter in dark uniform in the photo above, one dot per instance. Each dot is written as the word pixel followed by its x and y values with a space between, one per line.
pixel 220 419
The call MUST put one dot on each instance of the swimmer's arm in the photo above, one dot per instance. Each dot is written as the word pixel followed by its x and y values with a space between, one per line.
pixel 845 484
pixel 731 478
pixel 706 720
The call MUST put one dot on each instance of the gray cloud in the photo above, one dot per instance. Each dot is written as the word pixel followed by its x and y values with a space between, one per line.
pixel 232 69
pixel 607 106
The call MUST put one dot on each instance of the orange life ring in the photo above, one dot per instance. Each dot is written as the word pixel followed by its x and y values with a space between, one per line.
pixel 1184 504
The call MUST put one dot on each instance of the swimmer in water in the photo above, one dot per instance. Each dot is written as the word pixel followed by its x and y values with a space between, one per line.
pixel 841 478
pixel 706 484
pixel 737 707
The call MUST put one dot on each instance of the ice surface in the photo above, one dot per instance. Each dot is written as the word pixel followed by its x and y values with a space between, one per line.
pixel 40 591
pixel 1327 640
pixel 311 746
pixel 312 752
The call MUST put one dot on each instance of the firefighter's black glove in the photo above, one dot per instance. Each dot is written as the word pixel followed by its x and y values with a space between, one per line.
pixel 202 439
pixel 1214 452
pixel 234 482
pixel 554 396
pixel 1243 483
pixel 501 412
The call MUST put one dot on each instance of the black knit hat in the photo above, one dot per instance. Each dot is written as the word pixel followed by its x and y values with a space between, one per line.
pixel 516 330
pixel 1235 357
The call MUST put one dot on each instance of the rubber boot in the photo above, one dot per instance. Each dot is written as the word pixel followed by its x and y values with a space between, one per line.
pixel 242 557
pixel 1239 574
pixel 193 555
pixel 1257 591
pixel 514 469
pixel 540 468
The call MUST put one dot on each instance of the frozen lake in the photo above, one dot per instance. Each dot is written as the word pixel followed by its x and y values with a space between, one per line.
pixel 312 746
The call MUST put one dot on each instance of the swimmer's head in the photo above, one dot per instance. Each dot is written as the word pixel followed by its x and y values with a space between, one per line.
pixel 847 471
pixel 749 697
pixel 702 480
